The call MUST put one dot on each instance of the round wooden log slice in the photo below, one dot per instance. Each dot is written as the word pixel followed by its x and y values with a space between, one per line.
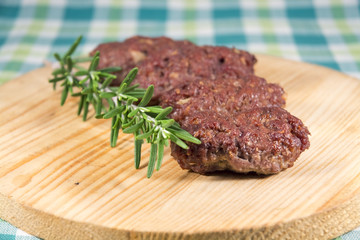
pixel 60 179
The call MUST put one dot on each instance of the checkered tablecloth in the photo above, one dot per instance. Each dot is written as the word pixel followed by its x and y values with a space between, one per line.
pixel 321 32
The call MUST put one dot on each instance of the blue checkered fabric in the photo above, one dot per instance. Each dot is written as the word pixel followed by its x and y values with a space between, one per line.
pixel 321 32
pixel 9 232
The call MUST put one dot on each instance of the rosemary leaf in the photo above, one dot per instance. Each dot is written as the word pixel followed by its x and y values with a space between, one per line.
pixel 57 56
pixel 178 141
pixel 78 94
pixel 84 80
pixel 128 124
pixel 94 62
pixel 150 169
pixel 164 113
pixel 130 76
pixel 112 130
pixel 147 96
pixel 107 94
pixel 134 112
pixel 167 123
pixel 184 135
pixel 73 47
pixel 134 128
pixel 115 134
pixel 107 82
pixel 114 89
pixel 129 102
pixel 89 96
pixel 122 87
pixel 58 71
pixel 86 110
pixel 81 104
pixel 138 144
pixel 86 91
pixel 113 112
pixel 105 74
pixel 69 63
pixel 117 122
pixel 99 116
pixel 125 96
pixel 57 79
pixel 98 107
pixel 155 109
pixel 145 135
pixel 135 95
pixel 160 155
pixel 81 73
pixel 64 95
pixel 111 103
pixel 135 88
pixel 111 69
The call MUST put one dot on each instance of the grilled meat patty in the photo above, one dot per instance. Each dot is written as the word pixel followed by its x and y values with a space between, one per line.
pixel 166 63
pixel 217 98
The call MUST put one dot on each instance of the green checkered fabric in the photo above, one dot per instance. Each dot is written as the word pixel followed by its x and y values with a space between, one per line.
pixel 322 32
pixel 9 232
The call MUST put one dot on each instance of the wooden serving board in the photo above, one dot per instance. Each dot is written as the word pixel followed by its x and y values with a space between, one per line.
pixel 59 178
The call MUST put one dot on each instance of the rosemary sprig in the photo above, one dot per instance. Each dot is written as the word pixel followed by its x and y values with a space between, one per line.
pixel 121 104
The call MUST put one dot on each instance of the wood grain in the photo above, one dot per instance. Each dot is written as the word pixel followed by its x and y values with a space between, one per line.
pixel 59 178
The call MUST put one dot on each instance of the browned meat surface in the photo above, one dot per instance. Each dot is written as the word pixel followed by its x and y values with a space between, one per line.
pixel 166 63
pixel 262 139
pixel 217 98
pixel 222 96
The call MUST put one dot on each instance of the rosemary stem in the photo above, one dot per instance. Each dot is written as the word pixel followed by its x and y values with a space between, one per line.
pixel 143 121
